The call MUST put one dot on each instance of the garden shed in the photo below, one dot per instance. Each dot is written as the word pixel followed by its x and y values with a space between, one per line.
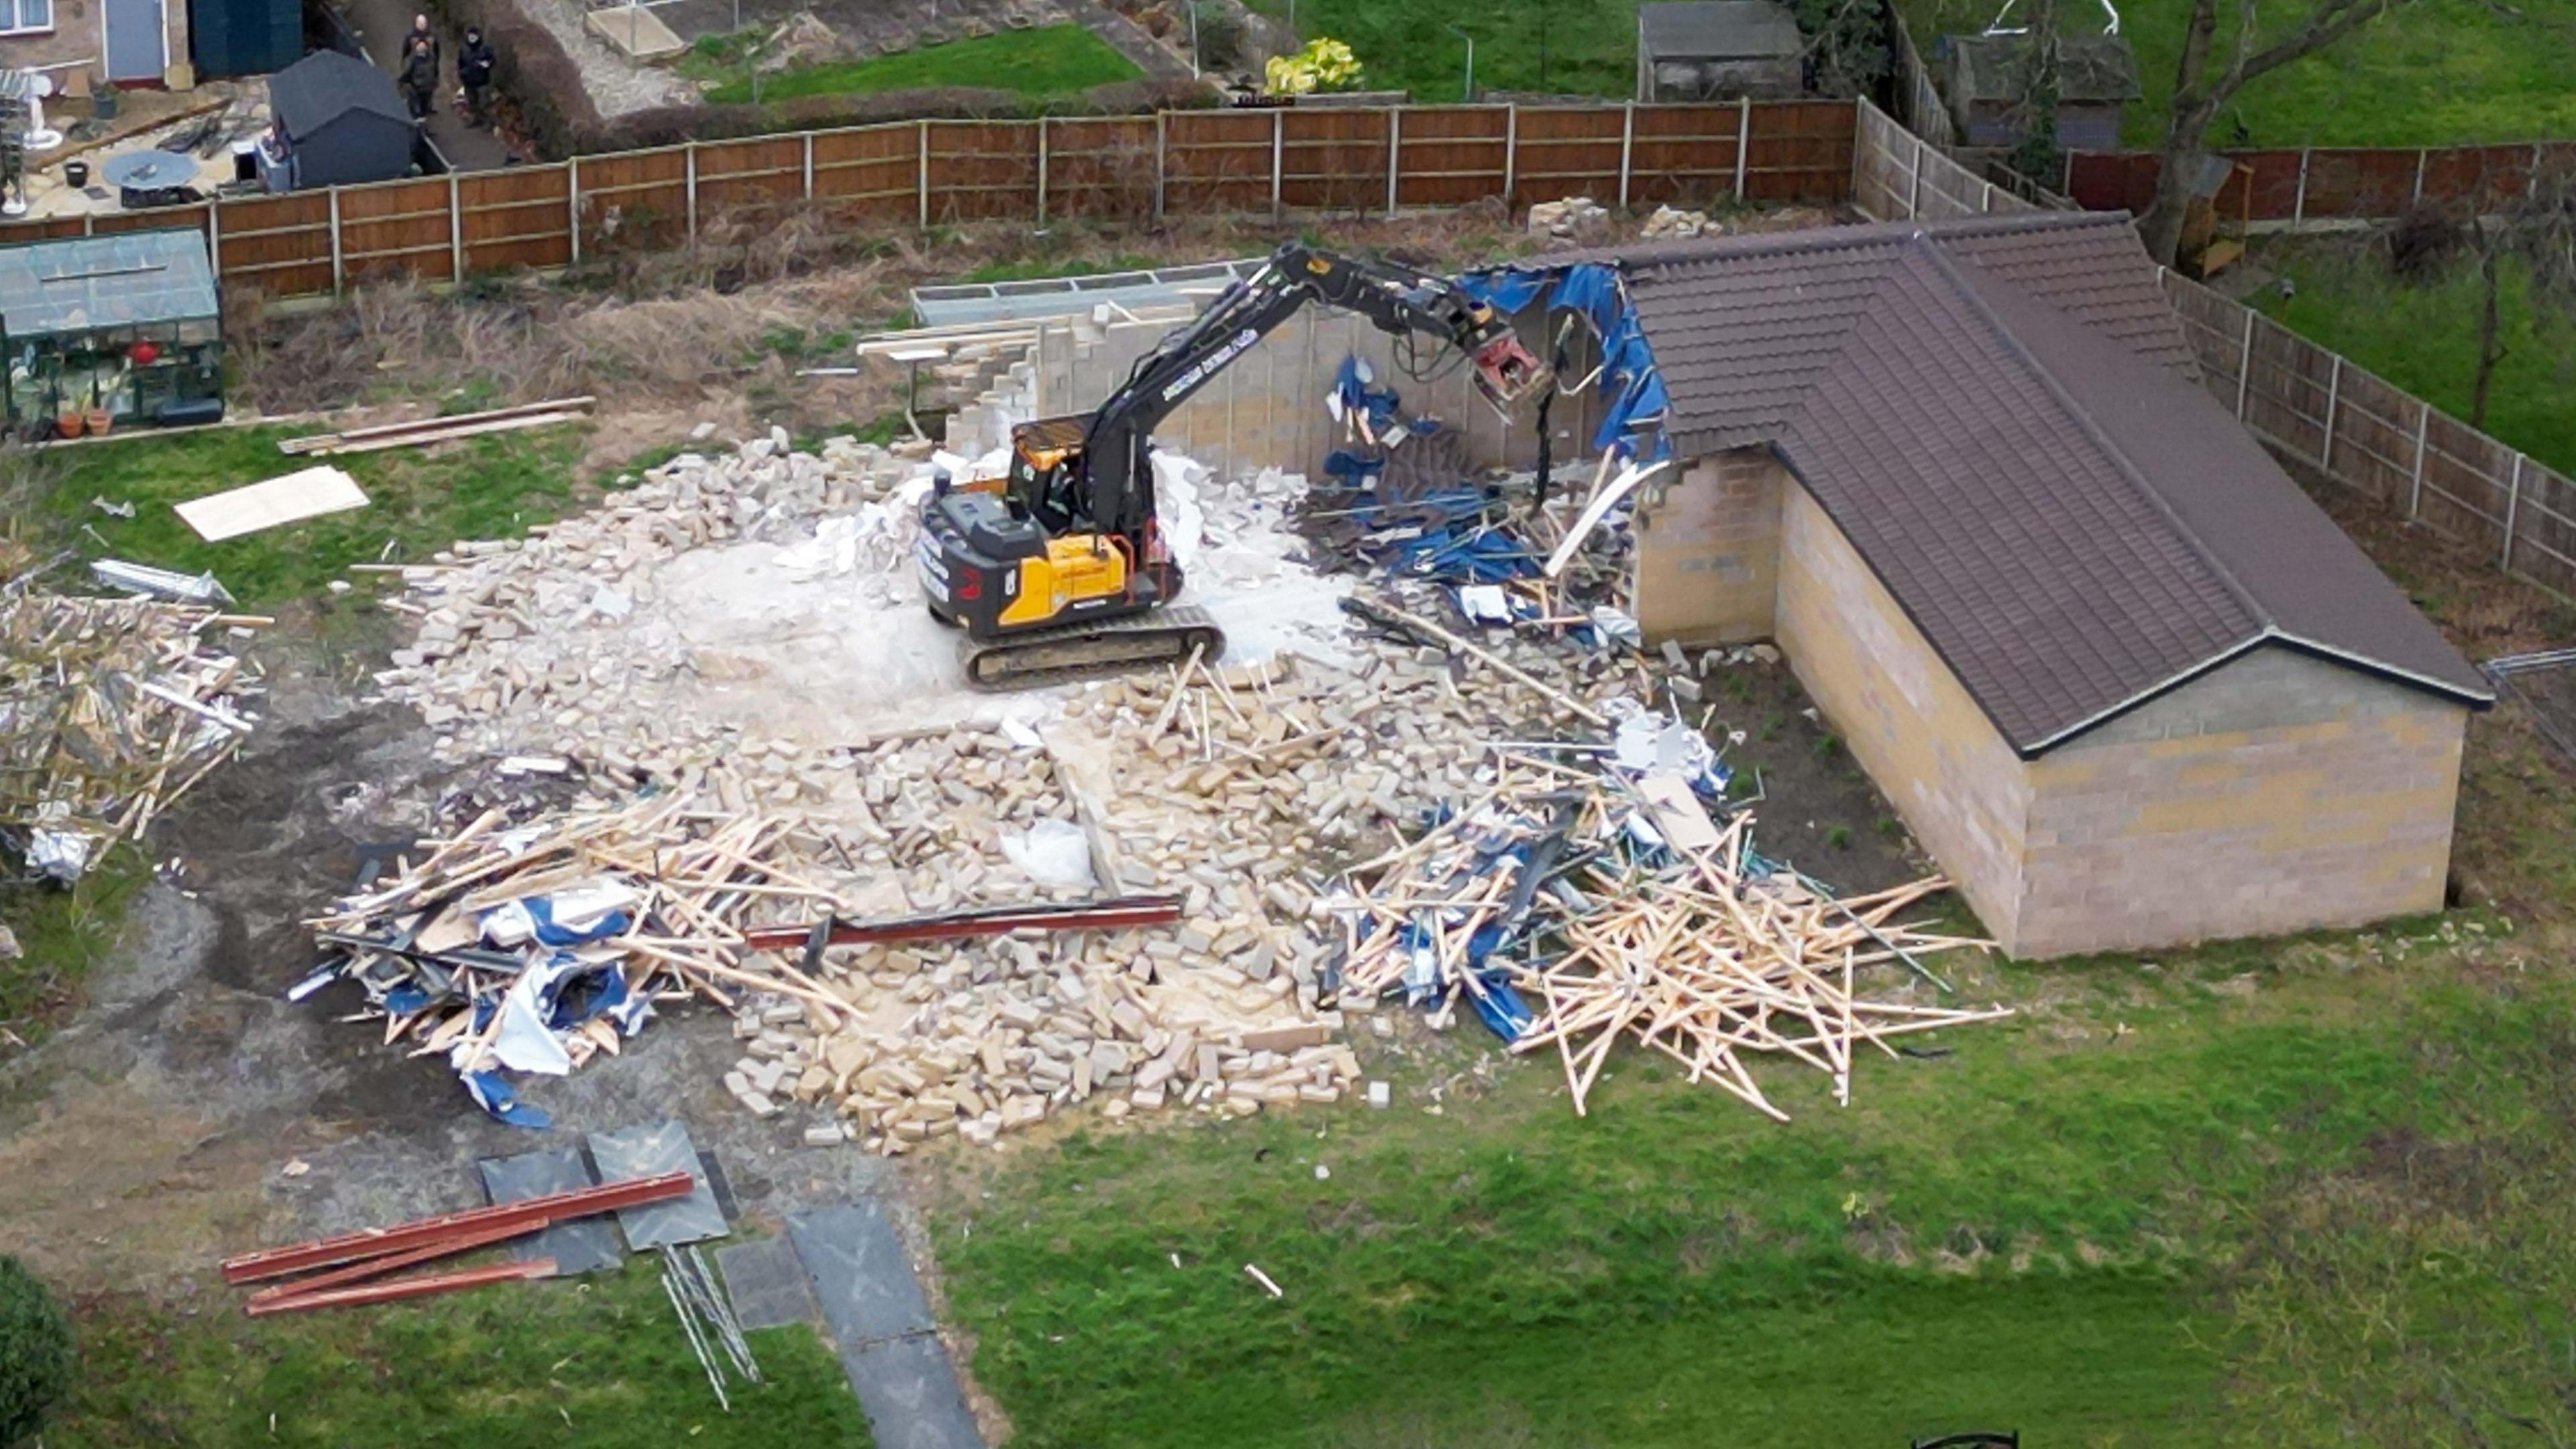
pixel 121 328
pixel 341 121
pixel 1989 76
pixel 1718 50
pixel 2120 676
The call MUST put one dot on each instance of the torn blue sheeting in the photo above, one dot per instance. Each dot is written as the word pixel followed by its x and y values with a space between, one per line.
pixel 534 918
pixel 1505 290
pixel 1628 380
pixel 493 1095
pixel 1355 393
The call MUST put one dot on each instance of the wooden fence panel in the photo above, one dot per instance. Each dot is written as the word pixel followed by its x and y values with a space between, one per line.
pixel 2287 398
pixel 396 229
pixel 1100 166
pixel 982 169
pixel 1883 173
pixel 2347 182
pixel 750 179
pixel 46 228
pixel 2113 180
pixel 870 173
pixel 156 219
pixel 2276 183
pixel 635 201
pixel 1683 154
pixel 1216 161
pixel 1334 159
pixel 1454 155
pixel 1800 151
pixel 2544 527
pixel 1569 151
pixel 2466 481
pixel 521 217
pixel 2373 449
pixel 279 244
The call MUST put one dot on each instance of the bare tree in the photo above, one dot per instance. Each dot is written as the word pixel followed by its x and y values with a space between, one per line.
pixel 2202 88
pixel 2538 230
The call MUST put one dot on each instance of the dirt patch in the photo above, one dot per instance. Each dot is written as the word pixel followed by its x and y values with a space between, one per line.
pixel 1818 810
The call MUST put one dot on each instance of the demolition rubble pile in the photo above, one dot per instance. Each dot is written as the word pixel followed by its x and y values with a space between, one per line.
pixel 110 710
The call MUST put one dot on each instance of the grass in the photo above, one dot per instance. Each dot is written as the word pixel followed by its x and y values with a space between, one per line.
pixel 1047 60
pixel 594 1361
pixel 2040 1231
pixel 2432 73
pixel 420 500
pixel 2424 338
pixel 62 934
pixel 1582 47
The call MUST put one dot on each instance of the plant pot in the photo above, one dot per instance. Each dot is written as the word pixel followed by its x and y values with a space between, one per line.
pixel 71 424
pixel 76 174
pixel 99 422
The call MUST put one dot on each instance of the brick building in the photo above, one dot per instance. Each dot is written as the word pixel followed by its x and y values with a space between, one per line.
pixel 2120 676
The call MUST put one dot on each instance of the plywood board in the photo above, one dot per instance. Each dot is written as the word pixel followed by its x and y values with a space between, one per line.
pixel 309 493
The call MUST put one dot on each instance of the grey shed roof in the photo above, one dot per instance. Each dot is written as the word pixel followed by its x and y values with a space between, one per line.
pixel 2001 414
pixel 1718 30
pixel 2090 68
pixel 324 86
pixel 78 283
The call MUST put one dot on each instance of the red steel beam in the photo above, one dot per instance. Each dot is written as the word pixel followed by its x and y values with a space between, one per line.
pixel 996 921
pixel 399 1288
pixel 366 1268
pixel 529 1214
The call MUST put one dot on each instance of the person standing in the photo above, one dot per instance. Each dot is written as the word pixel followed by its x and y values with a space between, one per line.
pixel 419 77
pixel 474 72
pixel 422 35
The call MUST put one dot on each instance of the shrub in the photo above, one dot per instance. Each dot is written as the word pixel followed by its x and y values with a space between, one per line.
pixel 1221 35
pixel 35 1352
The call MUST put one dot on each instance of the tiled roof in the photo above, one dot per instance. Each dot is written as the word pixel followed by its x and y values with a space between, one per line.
pixel 2002 416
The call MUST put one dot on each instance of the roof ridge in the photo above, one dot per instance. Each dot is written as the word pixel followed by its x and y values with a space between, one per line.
pixel 1811 240
pixel 2121 463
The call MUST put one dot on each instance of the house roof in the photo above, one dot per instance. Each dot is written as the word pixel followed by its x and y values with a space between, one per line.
pixel 2003 417
pixel 76 284
pixel 2090 68
pixel 1718 30
pixel 326 85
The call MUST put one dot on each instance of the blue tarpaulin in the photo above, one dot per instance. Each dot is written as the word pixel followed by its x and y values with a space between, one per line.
pixel 1630 385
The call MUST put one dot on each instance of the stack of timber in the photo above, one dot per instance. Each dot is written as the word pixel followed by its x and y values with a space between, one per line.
pixel 110 711
pixel 1578 900
pixel 421 432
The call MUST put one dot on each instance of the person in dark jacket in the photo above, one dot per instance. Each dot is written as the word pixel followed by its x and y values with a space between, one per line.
pixel 421 32
pixel 419 77
pixel 474 72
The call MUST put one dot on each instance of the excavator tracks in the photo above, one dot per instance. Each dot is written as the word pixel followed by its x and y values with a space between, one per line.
pixel 1090 650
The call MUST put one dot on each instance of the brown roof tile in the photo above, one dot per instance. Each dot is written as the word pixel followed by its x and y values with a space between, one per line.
pixel 2003 416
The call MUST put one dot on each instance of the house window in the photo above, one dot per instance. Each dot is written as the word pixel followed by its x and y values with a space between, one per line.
pixel 18 15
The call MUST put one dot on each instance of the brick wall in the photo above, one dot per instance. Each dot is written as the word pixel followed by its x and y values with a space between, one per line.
pixel 1708 549
pixel 1902 714
pixel 76 36
pixel 2277 793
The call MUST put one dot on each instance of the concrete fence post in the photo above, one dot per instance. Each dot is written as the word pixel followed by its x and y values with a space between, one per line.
pixel 2299 206
pixel 1394 154
pixel 455 229
pixel 2334 396
pixel 1278 160
pixel 921 178
pixel 1627 150
pixel 339 268
pixel 2512 513
pixel 1042 170
pixel 1162 132
pixel 808 138
pixel 689 159
pixel 1743 140
pixel 2423 155
pixel 1914 183
pixel 1511 151
pixel 1986 198
pixel 215 237
pixel 572 206
pixel 2245 364
pixel 2415 490
pixel 2531 182
pixel 89 223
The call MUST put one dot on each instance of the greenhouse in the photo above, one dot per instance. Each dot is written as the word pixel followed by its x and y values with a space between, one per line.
pixel 110 331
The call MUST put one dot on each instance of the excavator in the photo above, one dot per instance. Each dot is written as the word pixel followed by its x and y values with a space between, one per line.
pixel 1058 569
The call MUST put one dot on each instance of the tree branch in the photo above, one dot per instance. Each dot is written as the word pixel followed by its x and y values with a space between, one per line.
pixel 2333 20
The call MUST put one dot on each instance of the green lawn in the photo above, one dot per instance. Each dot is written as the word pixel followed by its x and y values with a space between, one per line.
pixel 420 500
pixel 1581 47
pixel 1048 60
pixel 1673 1270
pixel 61 935
pixel 2433 73
pixel 2425 338
pixel 587 1361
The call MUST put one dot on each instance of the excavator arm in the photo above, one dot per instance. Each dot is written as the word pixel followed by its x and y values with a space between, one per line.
pixel 1116 493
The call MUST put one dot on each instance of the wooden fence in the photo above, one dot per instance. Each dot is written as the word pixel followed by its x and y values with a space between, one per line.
pixel 2322 185
pixel 2311 405
pixel 921 173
